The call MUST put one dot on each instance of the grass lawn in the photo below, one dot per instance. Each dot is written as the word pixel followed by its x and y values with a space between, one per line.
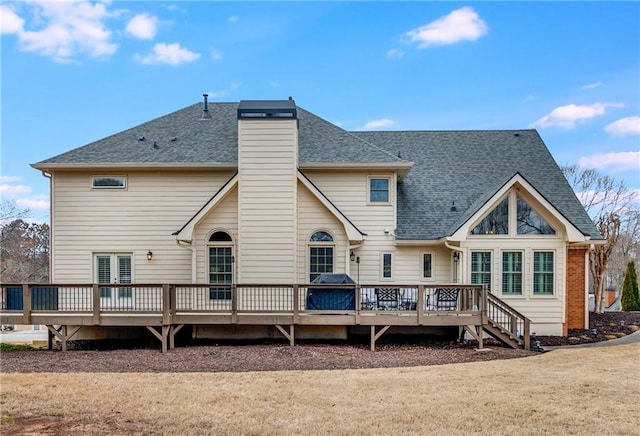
pixel 568 391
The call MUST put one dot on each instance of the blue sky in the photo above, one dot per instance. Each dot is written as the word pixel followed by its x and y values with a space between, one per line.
pixel 75 72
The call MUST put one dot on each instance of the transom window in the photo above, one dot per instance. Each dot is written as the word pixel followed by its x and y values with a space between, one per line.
pixel 379 189
pixel 530 222
pixel 321 248
pixel 543 273
pixel 512 273
pixel 108 182
pixel 496 223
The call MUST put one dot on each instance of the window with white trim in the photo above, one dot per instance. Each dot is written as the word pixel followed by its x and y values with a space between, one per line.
pixel 220 248
pixel 379 190
pixel 543 272
pixel 321 254
pixel 512 273
pixel 427 265
pixel 108 182
pixel 481 268
pixel 114 268
pixel 387 266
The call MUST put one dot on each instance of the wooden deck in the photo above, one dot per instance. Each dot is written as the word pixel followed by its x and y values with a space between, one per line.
pixel 164 309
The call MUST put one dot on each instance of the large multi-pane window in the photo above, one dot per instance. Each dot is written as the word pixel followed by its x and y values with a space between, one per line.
pixel 512 273
pixel 481 268
pixel 220 265
pixel 321 247
pixel 112 269
pixel 543 273
pixel 529 221
pixel 496 222
pixel 500 221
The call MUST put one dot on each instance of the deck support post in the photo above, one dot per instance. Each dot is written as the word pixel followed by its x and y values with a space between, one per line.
pixel 172 335
pixel 63 333
pixel 26 304
pixel 420 304
pixel 96 304
pixel 296 304
pixel 375 336
pixel 162 336
pixel 476 333
pixel 289 335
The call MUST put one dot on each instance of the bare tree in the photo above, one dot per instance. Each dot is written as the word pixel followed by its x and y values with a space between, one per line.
pixel 610 204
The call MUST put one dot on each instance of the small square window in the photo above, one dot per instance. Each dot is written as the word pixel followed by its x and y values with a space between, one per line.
pixel 379 190
pixel 108 182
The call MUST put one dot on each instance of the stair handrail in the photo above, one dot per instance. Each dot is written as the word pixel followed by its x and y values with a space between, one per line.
pixel 515 319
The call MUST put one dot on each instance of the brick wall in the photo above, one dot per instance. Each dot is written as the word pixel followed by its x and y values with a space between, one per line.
pixel 576 295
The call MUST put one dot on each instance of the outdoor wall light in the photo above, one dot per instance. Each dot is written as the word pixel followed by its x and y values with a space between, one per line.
pixel 149 255
pixel 456 256
pixel 352 256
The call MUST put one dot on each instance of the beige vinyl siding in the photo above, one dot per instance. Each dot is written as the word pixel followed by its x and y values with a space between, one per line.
pixel 348 192
pixel 133 220
pixel 313 216
pixel 267 184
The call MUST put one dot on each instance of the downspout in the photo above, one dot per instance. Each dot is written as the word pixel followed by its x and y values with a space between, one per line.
pixel 188 246
pixel 461 251
pixel 50 177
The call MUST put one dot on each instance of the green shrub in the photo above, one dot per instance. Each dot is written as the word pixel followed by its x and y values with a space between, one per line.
pixel 630 299
pixel 15 347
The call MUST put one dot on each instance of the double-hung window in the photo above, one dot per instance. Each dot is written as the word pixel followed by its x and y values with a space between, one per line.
pixel 220 265
pixel 543 273
pixel 321 247
pixel 512 273
pixel 379 190
pixel 481 268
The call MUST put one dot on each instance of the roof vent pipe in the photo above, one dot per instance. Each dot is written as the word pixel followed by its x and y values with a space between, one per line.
pixel 205 109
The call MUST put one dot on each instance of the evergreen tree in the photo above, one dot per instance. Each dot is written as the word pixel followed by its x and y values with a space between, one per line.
pixel 630 293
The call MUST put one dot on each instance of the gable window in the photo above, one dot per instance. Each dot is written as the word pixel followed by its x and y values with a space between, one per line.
pixel 530 222
pixel 379 190
pixel 496 223
pixel 108 182
pixel 427 265
pixel 321 246
pixel 114 269
pixel 512 273
pixel 387 265
pixel 543 273
pixel 220 265
pixel 481 268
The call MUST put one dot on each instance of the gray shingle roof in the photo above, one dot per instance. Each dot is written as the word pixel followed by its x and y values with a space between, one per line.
pixel 465 167
pixel 468 167
pixel 215 141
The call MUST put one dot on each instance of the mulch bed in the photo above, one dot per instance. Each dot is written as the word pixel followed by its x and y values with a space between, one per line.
pixel 391 352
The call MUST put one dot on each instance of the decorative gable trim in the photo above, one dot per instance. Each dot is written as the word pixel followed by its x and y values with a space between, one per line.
pixel 185 234
pixel 573 234
pixel 353 233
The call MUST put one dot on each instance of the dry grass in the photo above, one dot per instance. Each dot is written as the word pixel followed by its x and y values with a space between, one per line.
pixel 570 391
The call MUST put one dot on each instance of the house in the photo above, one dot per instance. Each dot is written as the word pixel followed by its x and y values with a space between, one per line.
pixel 266 192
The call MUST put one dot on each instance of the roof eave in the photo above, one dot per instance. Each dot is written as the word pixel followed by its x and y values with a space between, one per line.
pixel 44 166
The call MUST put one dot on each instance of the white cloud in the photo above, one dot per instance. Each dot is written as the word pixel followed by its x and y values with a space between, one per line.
pixel 13 191
pixel 395 53
pixel 142 26
pixel 35 202
pixel 22 194
pixel 570 115
pixel 463 24
pixel 591 85
pixel 233 19
pixel 10 22
pixel 623 127
pixel 614 162
pixel 171 54
pixel 10 179
pixel 378 124
pixel 224 92
pixel 62 30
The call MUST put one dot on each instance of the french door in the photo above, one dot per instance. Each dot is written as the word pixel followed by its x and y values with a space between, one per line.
pixel 115 269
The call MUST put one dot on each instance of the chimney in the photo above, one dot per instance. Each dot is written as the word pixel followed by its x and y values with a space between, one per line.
pixel 205 109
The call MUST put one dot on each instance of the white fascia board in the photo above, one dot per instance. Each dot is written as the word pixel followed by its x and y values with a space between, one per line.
pixel 572 232
pixel 186 233
pixel 402 168
pixel 352 231
pixel 134 166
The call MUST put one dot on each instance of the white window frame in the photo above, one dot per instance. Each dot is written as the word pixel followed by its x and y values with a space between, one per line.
pixel 491 268
pixel 219 244
pixel 390 190
pixel 391 266
pixel 521 272
pixel 94 178
pixel 115 300
pixel 433 266
pixel 554 273
pixel 320 244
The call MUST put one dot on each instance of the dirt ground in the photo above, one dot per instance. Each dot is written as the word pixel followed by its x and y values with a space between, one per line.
pixel 390 352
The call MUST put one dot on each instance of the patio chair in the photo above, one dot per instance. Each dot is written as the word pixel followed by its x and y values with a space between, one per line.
pixel 446 298
pixel 388 298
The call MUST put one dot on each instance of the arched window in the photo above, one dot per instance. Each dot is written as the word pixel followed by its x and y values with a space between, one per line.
pixel 220 248
pixel 321 248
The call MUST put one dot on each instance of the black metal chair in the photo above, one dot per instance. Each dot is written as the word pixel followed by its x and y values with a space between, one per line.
pixel 388 298
pixel 446 298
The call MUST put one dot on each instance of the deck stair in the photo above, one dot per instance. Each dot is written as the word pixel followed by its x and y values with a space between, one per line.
pixel 506 324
